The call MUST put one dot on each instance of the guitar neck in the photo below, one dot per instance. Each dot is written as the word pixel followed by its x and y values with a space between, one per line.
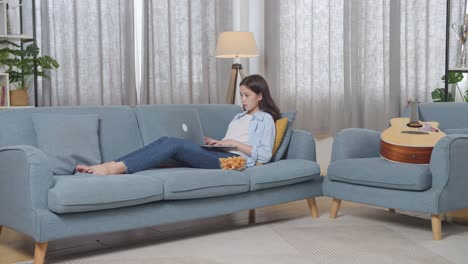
pixel 414 115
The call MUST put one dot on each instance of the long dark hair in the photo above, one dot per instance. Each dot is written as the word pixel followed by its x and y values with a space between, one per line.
pixel 258 85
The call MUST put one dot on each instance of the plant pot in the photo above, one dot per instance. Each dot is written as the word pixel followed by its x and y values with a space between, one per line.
pixel 19 97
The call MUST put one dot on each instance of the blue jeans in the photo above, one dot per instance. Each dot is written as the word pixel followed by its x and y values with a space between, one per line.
pixel 165 148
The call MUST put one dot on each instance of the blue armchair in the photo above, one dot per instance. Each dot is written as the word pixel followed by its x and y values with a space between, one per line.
pixel 357 173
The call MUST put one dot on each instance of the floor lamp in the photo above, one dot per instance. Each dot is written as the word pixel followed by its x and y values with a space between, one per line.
pixel 235 44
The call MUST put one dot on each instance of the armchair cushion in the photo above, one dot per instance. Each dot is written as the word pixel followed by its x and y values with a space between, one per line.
pixel 377 172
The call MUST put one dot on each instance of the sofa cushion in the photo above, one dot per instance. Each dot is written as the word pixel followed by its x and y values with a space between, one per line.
pixel 61 137
pixel 287 136
pixel 280 127
pixel 190 183
pixel 281 173
pixel 377 172
pixel 87 192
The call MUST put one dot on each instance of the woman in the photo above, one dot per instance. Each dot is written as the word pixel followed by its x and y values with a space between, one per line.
pixel 251 133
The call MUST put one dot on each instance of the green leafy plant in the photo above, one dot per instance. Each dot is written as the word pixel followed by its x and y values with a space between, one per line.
pixel 438 95
pixel 22 64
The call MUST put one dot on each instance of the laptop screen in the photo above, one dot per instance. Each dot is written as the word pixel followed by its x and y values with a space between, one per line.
pixel 185 124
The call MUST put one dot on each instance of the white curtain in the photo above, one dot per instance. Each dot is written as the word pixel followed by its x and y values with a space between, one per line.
pixel 354 63
pixel 179 62
pixel 94 45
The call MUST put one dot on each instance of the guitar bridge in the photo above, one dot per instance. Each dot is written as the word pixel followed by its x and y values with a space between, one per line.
pixel 415 132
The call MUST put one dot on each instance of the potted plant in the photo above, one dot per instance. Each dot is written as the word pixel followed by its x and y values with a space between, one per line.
pixel 21 64
pixel 438 95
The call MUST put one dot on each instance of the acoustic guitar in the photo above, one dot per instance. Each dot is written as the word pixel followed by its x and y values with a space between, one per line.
pixel 408 140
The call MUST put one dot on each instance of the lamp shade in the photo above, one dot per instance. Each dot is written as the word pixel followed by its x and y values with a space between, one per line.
pixel 236 45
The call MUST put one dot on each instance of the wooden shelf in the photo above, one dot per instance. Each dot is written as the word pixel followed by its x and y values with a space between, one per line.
pixel 455 69
pixel 16 37
pixel 4 90
pixel 12 30
pixel 16 107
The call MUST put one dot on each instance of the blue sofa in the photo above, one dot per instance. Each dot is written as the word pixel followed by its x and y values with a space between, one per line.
pixel 357 173
pixel 49 206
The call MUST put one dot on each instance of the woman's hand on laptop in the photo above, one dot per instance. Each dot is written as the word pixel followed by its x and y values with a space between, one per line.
pixel 210 141
pixel 227 143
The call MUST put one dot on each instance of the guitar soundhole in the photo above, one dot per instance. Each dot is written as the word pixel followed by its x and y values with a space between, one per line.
pixel 414 124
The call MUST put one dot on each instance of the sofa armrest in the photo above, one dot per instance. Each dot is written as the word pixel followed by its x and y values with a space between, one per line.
pixel 301 146
pixel 353 143
pixel 25 179
pixel 449 177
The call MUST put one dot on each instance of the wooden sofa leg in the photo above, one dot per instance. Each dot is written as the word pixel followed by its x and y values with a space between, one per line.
pixel 436 227
pixel 252 216
pixel 313 207
pixel 334 208
pixel 40 252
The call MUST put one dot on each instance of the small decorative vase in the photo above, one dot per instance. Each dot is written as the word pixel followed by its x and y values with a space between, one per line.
pixel 19 97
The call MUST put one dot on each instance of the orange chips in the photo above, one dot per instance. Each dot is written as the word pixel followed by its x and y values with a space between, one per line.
pixel 232 163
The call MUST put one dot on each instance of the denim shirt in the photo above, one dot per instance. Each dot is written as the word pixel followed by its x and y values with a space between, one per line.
pixel 261 137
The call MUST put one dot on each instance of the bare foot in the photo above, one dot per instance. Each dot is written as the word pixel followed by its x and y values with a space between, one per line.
pixel 107 168
pixel 82 168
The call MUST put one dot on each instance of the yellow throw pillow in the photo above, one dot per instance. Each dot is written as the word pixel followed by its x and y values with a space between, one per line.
pixel 281 125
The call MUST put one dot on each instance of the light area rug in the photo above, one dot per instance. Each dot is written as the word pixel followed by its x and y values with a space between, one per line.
pixel 360 235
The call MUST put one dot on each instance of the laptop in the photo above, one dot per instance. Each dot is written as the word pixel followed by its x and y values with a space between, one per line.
pixel 185 124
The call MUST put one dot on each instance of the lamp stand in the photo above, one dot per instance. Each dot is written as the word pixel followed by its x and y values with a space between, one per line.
pixel 231 91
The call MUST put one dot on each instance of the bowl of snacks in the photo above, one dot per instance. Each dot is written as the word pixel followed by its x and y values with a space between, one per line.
pixel 232 163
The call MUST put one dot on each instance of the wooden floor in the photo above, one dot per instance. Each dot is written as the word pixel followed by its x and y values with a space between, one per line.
pixel 459 217
pixel 15 247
